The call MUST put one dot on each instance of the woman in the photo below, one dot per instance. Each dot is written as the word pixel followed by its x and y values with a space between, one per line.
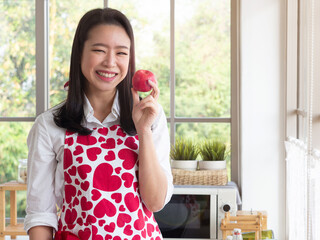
pixel 101 156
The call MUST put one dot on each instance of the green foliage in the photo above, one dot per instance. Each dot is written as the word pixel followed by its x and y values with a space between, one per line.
pixel 184 149
pixel 212 150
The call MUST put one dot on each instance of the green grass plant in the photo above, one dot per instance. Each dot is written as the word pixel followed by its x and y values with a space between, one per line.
pixel 184 149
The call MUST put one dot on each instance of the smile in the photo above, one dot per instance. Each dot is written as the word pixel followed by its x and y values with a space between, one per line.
pixel 107 75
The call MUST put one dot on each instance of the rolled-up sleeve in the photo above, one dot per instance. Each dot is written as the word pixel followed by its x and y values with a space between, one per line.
pixel 41 200
pixel 162 144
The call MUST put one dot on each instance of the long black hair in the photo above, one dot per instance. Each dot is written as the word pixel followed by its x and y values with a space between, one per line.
pixel 71 114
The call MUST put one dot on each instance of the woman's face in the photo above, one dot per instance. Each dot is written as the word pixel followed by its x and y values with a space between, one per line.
pixel 105 58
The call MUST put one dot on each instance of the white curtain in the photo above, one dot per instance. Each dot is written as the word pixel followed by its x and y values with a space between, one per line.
pixel 303 191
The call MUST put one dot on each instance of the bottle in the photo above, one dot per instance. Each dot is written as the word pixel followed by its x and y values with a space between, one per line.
pixel 237 234
pixel 22 171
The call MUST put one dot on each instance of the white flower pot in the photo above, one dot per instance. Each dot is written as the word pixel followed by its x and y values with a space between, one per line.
pixel 210 165
pixel 190 165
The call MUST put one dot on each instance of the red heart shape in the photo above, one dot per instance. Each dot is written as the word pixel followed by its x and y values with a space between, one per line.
pixel 80 221
pixel 144 233
pixel 69 141
pixel 67 158
pixel 139 223
pixel 122 219
pixel 79 159
pixel 135 186
pixel 70 191
pixel 103 131
pixel 91 219
pixel 95 236
pixel 110 228
pixel 132 201
pixel 84 234
pixel 70 216
pixel 95 194
pixel 101 222
pixel 117 197
pixel 78 150
pixel 72 171
pixel 130 157
pixel 136 237
pixel 150 229
pixel 67 178
pixel 93 153
pixel 108 236
pixel 68 133
pixel 114 127
pixel 118 170
pixel 121 133
pixel 104 207
pixel 119 141
pixel 79 193
pixel 75 202
pixel 109 144
pixel 76 181
pixel 101 139
pixel 110 156
pixel 136 137
pixel 84 185
pixel 130 143
pixel 104 180
pixel 127 230
pixel 122 208
pixel 146 211
pixel 128 179
pixel 86 140
pixel 85 205
pixel 83 170
pixel 83 214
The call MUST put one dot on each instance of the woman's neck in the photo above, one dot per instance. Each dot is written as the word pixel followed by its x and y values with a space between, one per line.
pixel 101 104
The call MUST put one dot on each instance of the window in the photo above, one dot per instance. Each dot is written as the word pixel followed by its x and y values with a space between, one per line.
pixel 190 45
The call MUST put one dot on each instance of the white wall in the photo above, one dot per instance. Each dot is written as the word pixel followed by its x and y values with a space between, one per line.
pixel 263 109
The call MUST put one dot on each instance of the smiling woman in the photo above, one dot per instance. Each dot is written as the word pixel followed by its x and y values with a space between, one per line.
pixel 92 155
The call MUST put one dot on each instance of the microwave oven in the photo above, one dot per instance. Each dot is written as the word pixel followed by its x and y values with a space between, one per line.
pixel 195 212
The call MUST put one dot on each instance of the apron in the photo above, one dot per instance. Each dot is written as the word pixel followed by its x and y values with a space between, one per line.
pixel 101 197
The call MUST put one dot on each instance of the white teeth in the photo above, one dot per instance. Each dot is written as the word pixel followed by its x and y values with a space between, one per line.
pixel 108 75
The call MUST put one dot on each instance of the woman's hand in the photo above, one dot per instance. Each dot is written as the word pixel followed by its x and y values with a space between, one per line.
pixel 145 111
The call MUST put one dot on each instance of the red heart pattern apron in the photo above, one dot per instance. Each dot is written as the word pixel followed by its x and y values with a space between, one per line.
pixel 101 196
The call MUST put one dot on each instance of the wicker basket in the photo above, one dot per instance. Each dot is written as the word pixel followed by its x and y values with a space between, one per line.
pixel 200 177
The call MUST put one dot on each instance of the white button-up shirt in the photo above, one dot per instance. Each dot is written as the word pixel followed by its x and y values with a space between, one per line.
pixel 45 161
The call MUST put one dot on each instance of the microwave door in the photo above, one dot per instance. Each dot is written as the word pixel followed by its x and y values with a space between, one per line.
pixel 188 217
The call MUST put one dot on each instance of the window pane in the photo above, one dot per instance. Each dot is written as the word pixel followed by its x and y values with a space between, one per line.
pixel 17 58
pixel 13 146
pixel 199 132
pixel 64 17
pixel 151 25
pixel 202 39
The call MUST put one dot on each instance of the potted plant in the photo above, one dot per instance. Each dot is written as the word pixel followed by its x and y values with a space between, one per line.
pixel 184 154
pixel 213 154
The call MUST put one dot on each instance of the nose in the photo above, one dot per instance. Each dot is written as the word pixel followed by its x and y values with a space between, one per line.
pixel 110 60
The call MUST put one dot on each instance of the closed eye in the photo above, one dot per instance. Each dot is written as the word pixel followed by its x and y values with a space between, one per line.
pixel 98 50
pixel 122 53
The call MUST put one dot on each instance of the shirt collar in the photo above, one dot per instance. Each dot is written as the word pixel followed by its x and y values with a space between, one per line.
pixel 114 114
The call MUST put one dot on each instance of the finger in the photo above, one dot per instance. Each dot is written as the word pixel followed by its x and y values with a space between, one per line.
pixel 135 96
pixel 155 90
pixel 150 105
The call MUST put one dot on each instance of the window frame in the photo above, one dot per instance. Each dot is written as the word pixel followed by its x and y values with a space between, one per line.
pixel 42 79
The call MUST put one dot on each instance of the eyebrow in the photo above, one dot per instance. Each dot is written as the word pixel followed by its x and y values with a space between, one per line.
pixel 104 45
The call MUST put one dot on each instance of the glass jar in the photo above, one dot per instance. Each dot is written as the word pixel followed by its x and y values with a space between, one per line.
pixel 237 234
pixel 22 171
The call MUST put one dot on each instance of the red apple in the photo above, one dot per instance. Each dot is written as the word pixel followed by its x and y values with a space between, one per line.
pixel 140 80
